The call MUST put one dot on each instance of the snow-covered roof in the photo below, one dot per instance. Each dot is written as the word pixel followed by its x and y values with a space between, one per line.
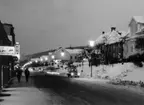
pixel 74 51
pixel 111 37
pixel 101 39
pixel 60 49
pixel 123 33
pixel 139 19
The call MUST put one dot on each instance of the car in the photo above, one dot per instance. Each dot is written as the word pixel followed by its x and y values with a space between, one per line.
pixel 73 73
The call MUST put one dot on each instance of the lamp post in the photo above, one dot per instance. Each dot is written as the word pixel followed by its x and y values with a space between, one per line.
pixel 53 57
pixel 91 44
pixel 62 54
pixel 82 63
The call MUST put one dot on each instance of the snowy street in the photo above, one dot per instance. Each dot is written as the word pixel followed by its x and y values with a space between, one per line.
pixel 81 92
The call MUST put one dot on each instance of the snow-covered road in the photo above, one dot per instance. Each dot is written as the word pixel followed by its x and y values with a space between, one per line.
pixel 86 92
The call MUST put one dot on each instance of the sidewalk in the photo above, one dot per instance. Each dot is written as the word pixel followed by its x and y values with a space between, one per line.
pixel 23 94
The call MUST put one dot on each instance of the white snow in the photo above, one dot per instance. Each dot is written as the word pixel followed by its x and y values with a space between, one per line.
pixel 110 37
pixel 113 37
pixel 101 39
pixel 74 51
pixel 126 71
pixel 139 19
pixel 130 71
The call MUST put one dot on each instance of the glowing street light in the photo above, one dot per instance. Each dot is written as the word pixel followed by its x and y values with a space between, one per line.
pixel 53 56
pixel 46 58
pixel 91 43
pixel 62 54
pixel 41 59
pixel 36 61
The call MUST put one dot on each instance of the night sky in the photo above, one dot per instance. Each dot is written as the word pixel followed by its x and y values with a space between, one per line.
pixel 44 24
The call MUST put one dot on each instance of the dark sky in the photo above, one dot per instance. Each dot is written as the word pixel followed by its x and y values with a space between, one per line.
pixel 43 24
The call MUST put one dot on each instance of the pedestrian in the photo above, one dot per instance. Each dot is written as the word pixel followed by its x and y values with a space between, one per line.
pixel 27 74
pixel 19 74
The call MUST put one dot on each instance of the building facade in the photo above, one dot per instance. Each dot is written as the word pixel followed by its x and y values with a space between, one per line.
pixel 136 27
pixel 6 62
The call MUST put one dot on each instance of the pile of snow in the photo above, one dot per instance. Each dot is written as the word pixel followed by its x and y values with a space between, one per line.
pixel 127 71
pixel 136 75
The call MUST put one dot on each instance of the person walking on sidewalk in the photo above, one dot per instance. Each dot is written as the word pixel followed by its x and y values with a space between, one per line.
pixel 27 74
pixel 19 74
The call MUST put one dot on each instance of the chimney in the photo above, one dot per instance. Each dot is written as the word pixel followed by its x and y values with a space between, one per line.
pixel 113 29
pixel 103 32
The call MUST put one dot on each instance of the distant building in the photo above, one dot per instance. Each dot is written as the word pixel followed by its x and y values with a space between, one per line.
pixel 59 56
pixel 68 54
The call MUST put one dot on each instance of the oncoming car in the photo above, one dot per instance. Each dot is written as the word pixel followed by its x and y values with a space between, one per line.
pixel 73 73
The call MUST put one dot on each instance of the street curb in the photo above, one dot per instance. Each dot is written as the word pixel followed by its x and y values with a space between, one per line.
pixel 9 83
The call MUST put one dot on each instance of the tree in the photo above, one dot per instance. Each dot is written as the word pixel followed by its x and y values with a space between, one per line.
pixel 140 43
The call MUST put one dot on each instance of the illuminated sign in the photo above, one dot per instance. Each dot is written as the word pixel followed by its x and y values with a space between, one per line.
pixel 7 50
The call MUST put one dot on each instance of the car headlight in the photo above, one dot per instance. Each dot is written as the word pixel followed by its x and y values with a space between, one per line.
pixel 72 74
pixel 79 74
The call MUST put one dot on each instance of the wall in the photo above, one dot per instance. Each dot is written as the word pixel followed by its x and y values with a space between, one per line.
pixel 129 48
pixel 133 27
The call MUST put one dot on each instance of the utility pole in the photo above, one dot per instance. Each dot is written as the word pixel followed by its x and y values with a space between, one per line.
pixel 91 66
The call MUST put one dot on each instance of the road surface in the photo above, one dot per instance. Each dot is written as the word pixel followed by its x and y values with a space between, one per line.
pixel 65 91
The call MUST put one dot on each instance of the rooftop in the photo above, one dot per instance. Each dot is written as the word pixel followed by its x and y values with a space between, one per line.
pixel 139 19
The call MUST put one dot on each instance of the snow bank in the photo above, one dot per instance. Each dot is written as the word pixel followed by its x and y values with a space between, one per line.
pixel 127 71
pixel 136 75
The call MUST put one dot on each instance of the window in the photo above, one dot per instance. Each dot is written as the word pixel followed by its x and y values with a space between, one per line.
pixel 132 48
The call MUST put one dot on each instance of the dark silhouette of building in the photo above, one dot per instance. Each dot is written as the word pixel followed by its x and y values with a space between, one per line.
pixel 6 62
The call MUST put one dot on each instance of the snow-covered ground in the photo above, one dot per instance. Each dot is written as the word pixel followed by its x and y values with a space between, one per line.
pixel 126 71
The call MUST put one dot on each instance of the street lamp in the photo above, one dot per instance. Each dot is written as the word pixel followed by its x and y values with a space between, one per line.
pixel 46 58
pixel 53 56
pixel 62 54
pixel 36 61
pixel 91 44
pixel 41 59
